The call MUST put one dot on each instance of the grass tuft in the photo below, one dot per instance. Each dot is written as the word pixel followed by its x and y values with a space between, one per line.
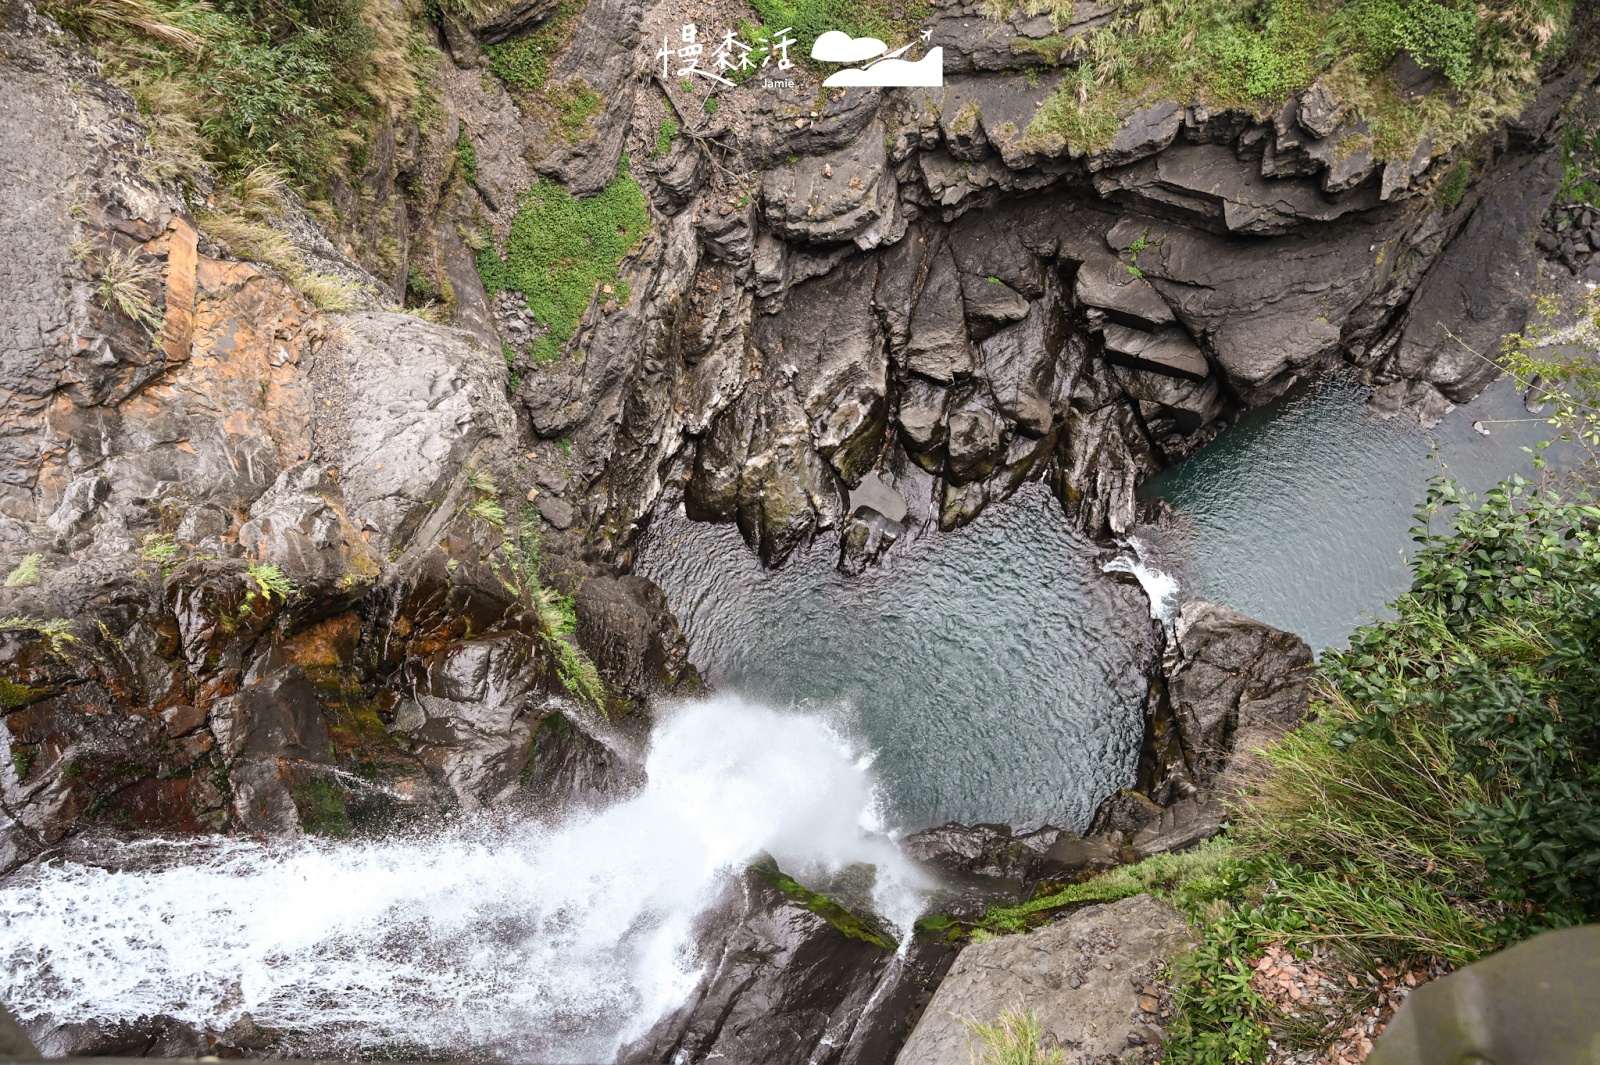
pixel 124 286
pixel 1013 1040
pixel 26 572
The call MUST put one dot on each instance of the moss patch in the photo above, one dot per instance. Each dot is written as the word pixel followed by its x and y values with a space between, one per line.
pixel 561 249
pixel 851 924
pixel 575 103
pixel 523 63
pixel 322 810
pixel 14 695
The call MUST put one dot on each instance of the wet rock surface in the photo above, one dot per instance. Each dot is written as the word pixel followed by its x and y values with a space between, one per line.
pixel 784 984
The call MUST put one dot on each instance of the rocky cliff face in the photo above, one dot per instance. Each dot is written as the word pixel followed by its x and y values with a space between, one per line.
pixel 272 569
pixel 840 280
pixel 261 576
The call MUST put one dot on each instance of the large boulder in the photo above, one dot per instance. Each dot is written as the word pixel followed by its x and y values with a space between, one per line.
pixel 1236 684
pixel 781 983
pixel 627 627
pixel 402 404
pixel 1092 979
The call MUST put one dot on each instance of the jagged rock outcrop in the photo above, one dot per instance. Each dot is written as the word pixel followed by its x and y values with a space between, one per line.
pixel 783 983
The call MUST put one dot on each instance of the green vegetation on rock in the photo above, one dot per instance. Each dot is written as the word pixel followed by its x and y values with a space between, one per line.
pixel 1014 1039
pixel 234 84
pixel 666 133
pixel 523 63
pixel 26 572
pixel 1253 54
pixel 561 249
pixel 851 924
pixel 894 21
pixel 466 158
pixel 321 807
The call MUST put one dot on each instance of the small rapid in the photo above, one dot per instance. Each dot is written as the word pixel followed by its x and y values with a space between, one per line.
pixel 524 942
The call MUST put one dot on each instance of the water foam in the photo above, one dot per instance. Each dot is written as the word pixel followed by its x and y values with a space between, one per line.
pixel 529 942
pixel 1161 588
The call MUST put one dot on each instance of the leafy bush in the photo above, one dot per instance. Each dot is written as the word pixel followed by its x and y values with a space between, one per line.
pixel 466 158
pixel 235 84
pixel 1497 641
pixel 887 20
pixel 560 249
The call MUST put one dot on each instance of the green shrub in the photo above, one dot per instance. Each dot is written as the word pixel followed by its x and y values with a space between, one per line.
pixel 232 85
pixel 560 249
pixel 1497 641
pixel 466 158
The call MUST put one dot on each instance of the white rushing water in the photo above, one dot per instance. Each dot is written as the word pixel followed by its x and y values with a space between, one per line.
pixel 1160 587
pixel 529 942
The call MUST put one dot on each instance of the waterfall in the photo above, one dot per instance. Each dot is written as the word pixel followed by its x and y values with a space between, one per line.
pixel 1160 587
pixel 528 941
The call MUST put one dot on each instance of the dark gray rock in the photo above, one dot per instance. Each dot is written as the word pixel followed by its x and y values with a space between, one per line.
pixel 1320 111
pixel 626 626
pixel 938 345
pixel 975 41
pixel 1143 133
pixel 729 232
pixel 603 55
pixel 783 985
pixel 1481 287
pixel 1237 684
pixel 1170 351
pixel 983 850
pixel 1208 185
pixel 474 712
pixel 517 20
pixel 1020 363
pixel 992 301
pixel 975 445
pixel 571 767
pixel 846 194
pixel 1106 283
pixel 1347 155
pixel 558 512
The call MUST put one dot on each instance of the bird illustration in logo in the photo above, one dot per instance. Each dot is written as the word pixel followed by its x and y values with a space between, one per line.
pixel 890 71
